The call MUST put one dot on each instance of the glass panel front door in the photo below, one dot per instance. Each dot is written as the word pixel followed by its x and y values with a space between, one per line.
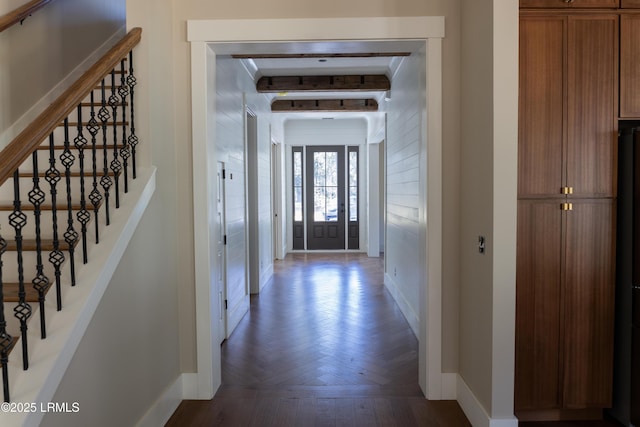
pixel 325 198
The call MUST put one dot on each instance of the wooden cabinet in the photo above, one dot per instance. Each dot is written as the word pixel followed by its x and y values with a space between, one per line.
pixel 538 303
pixel 630 4
pixel 541 110
pixel 573 4
pixel 630 65
pixel 589 299
pixel 592 103
pixel 568 105
pixel 564 304
pixel 567 157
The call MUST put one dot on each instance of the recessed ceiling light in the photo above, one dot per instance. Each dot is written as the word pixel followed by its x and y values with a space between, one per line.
pixel 322 60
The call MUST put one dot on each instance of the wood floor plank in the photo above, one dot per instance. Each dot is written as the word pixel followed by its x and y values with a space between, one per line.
pixel 305 414
pixel 325 413
pixel 345 412
pixel 365 414
pixel 384 413
pixel 324 345
pixel 286 412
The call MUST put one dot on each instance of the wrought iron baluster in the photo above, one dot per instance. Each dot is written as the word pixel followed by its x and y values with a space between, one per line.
pixel 133 139
pixel 70 235
pixel 116 166
pixel 125 151
pixel 56 257
pixel 95 197
pixel 105 180
pixel 22 311
pixel 83 215
pixel 40 281
pixel 6 340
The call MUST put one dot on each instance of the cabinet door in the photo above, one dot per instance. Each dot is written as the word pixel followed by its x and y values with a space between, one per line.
pixel 541 105
pixel 630 4
pixel 589 304
pixel 569 3
pixel 629 65
pixel 592 76
pixel 538 303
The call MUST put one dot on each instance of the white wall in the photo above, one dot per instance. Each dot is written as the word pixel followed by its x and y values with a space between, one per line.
pixel 230 139
pixel 48 46
pixel 265 217
pixel 476 293
pixel 325 131
pixel 489 206
pixel 341 132
pixel 382 196
pixel 403 276
pixel 256 9
pixel 235 88
pixel 131 352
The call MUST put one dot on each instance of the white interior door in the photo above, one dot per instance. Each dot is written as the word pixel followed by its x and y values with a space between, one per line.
pixel 236 229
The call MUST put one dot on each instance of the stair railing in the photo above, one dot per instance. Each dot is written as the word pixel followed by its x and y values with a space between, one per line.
pixel 61 129
pixel 21 13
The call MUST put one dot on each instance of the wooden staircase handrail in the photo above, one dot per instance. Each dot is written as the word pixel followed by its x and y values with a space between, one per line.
pixel 20 13
pixel 18 150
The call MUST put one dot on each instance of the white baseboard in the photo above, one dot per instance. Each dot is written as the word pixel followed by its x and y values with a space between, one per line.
pixel 190 386
pixel 449 386
pixel 405 308
pixel 266 275
pixel 160 412
pixel 474 410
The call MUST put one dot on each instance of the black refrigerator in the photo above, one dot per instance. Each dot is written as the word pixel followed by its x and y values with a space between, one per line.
pixel 626 398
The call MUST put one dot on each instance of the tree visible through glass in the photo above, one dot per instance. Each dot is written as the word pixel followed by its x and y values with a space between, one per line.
pixel 325 186
pixel 297 185
pixel 353 185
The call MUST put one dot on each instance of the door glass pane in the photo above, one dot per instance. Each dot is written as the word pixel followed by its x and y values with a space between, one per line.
pixel 331 169
pixel 353 203
pixel 297 185
pixel 297 168
pixel 353 185
pixel 332 204
pixel 319 169
pixel 319 202
pixel 325 178
pixel 297 198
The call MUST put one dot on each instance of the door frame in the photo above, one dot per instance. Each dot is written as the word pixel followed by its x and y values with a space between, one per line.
pixel 427 29
pixel 276 200
pixel 251 202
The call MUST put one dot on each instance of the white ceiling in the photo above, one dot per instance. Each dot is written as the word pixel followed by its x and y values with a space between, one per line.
pixel 259 67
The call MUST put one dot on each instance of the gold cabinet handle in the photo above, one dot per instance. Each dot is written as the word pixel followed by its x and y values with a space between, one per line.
pixel 567 190
pixel 566 206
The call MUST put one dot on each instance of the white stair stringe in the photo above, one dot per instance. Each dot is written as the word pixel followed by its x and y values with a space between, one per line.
pixel 49 358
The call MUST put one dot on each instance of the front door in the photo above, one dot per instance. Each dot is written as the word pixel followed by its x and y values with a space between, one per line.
pixel 325 197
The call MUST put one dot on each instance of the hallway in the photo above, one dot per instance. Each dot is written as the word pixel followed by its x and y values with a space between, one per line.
pixel 324 344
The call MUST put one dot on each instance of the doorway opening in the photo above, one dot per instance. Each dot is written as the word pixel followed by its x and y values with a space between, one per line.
pixel 210 38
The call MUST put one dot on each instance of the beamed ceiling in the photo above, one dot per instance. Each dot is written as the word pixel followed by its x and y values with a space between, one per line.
pixel 318 82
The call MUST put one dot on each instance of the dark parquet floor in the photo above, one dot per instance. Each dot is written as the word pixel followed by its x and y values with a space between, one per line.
pixel 324 344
